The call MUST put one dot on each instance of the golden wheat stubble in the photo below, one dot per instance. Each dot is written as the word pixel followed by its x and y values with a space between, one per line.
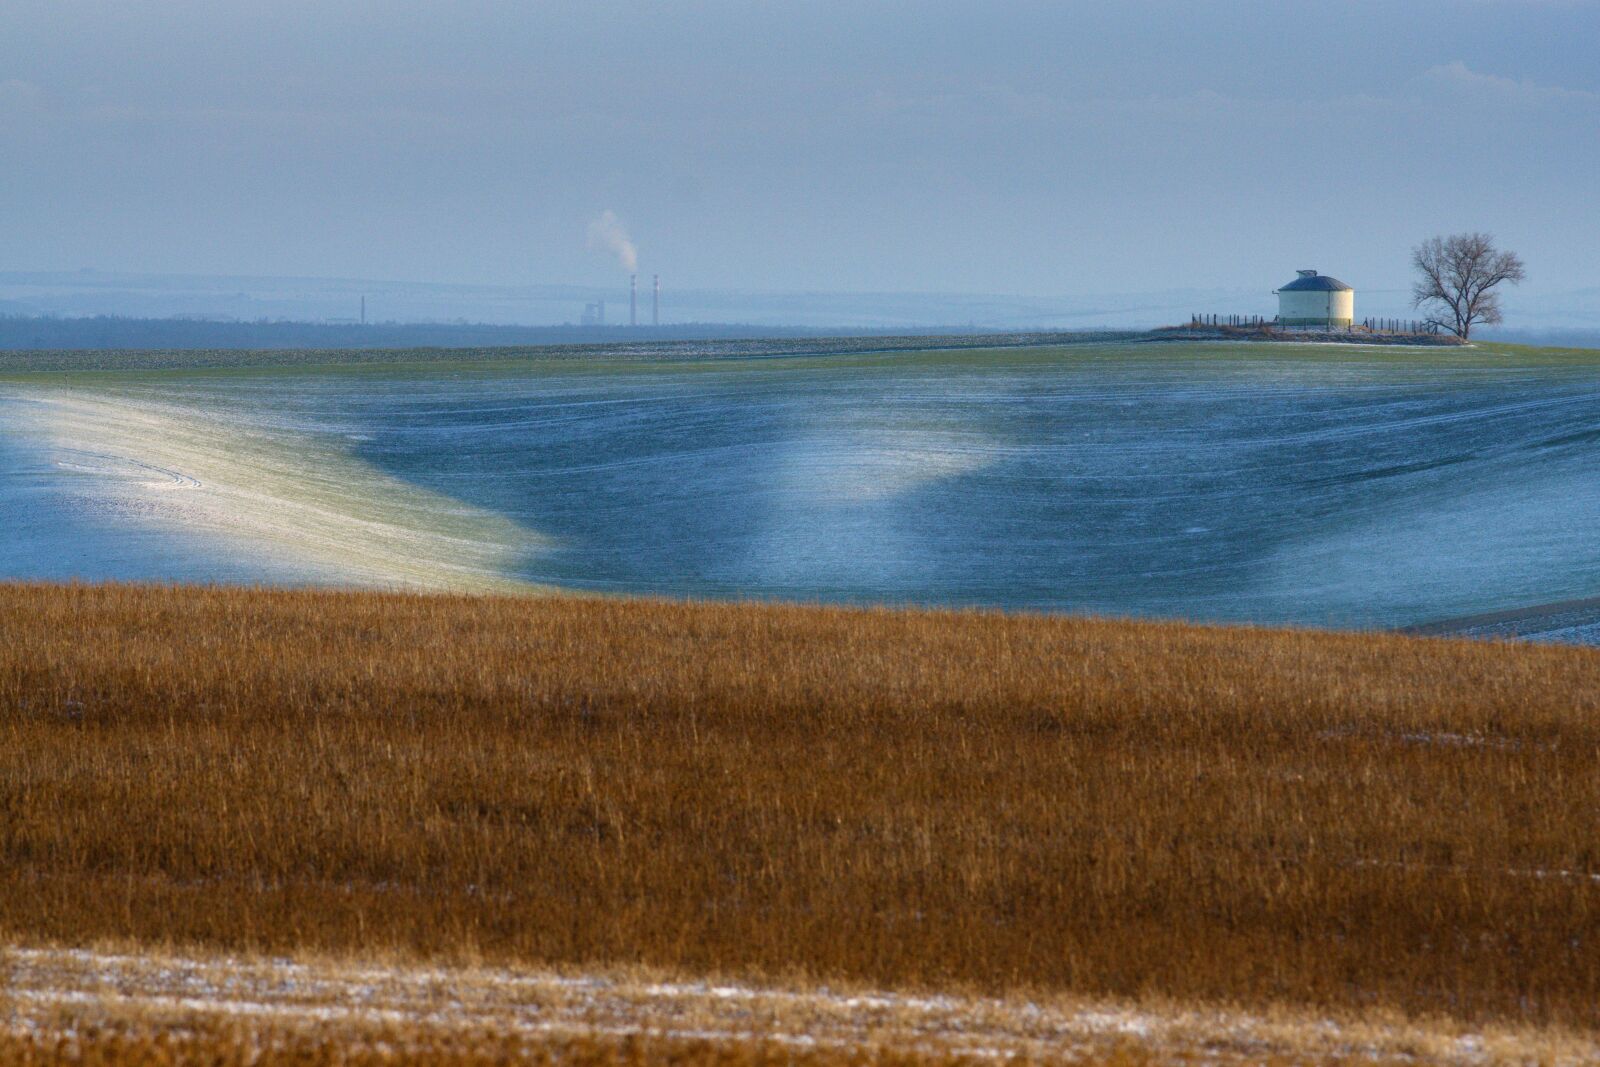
pixel 916 798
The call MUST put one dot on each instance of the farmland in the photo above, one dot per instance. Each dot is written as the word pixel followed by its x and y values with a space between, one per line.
pixel 984 805
pixel 269 817
pixel 1278 484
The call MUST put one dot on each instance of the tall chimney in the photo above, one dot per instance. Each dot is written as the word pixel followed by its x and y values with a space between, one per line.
pixel 655 305
pixel 633 300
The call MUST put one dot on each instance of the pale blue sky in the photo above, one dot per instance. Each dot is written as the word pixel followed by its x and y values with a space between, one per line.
pixel 1026 147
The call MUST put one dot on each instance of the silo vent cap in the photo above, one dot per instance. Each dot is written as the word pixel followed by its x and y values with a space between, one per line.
pixel 1306 273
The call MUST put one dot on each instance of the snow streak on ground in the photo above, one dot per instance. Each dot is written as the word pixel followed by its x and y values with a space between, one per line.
pixel 296 503
pixel 51 994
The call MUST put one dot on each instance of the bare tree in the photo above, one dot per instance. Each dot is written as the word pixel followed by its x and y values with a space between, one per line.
pixel 1458 276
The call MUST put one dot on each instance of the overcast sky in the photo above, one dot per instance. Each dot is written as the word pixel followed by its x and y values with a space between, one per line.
pixel 1013 147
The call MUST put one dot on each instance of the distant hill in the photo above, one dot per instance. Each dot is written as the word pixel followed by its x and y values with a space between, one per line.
pixel 34 333
pixel 1551 338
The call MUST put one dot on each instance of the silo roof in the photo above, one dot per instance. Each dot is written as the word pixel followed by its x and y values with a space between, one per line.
pixel 1315 283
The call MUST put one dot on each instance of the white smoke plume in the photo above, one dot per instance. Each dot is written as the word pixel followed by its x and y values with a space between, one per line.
pixel 608 234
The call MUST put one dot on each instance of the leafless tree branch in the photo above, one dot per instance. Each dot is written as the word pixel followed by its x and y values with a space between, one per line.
pixel 1457 278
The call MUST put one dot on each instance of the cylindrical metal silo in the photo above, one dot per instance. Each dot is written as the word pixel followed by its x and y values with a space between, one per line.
pixel 1315 300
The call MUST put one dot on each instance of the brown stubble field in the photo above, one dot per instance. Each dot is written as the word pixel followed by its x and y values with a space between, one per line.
pixel 979 803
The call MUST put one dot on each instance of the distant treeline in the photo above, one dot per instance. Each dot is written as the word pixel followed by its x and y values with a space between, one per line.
pixel 24 333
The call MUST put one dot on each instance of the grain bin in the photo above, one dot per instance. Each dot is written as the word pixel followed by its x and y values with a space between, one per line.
pixel 1316 301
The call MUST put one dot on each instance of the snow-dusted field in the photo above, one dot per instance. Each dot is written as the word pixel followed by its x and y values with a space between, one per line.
pixel 139 484
pixel 1319 485
pixel 55 995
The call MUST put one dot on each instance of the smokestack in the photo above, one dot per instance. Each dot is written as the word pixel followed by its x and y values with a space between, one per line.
pixel 633 300
pixel 655 304
pixel 363 309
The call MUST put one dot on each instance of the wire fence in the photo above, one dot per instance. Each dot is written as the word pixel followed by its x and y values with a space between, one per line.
pixel 1399 327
